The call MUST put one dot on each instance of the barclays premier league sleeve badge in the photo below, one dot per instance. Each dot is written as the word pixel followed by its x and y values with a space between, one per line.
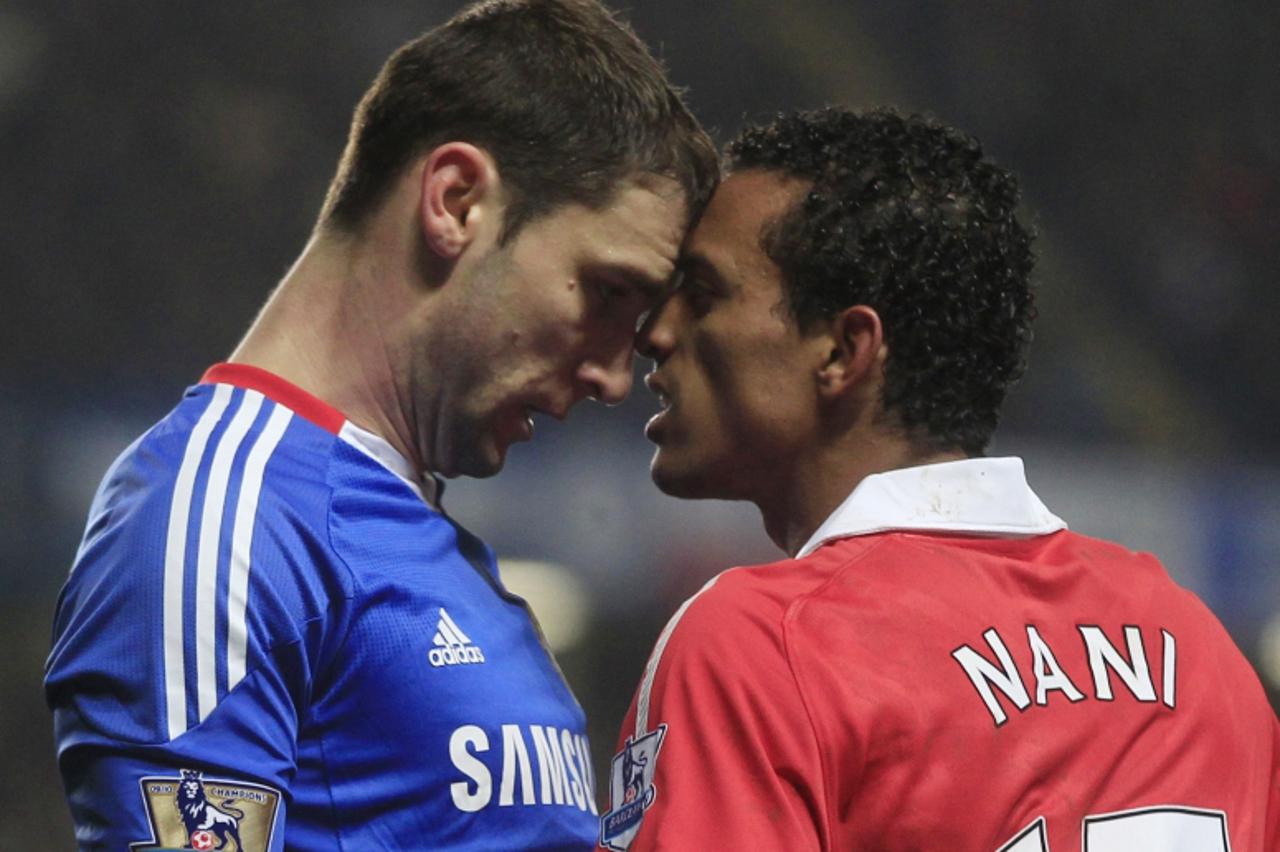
pixel 194 812
pixel 631 790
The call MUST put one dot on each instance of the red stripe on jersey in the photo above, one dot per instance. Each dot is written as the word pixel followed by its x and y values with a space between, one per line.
pixel 277 390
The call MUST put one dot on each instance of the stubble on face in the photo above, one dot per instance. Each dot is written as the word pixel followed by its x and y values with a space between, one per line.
pixel 460 363
pixel 543 322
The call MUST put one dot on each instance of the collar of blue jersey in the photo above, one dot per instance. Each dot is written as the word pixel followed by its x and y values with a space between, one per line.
pixel 428 487
pixel 283 392
pixel 974 496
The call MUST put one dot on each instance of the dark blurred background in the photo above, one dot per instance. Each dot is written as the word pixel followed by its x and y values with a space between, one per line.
pixel 163 163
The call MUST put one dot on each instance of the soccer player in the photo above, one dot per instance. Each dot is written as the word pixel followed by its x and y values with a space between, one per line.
pixel 940 663
pixel 272 636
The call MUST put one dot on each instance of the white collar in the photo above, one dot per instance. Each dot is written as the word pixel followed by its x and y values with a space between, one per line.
pixel 976 496
pixel 426 486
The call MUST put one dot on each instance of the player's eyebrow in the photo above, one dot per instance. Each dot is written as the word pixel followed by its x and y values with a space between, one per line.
pixel 649 286
pixel 698 264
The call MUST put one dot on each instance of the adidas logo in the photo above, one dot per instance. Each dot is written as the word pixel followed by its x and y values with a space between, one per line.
pixel 453 648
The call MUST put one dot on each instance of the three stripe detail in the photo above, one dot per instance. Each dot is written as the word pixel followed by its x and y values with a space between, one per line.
pixel 209 540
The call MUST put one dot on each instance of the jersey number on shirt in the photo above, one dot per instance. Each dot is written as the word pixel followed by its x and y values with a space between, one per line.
pixel 1170 828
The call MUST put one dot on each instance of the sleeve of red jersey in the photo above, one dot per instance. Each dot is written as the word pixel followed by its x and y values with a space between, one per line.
pixel 1273 809
pixel 717 750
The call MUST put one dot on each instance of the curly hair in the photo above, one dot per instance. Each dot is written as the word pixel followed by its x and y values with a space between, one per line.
pixel 906 215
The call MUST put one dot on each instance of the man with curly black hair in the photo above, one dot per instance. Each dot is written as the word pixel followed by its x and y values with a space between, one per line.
pixel 939 664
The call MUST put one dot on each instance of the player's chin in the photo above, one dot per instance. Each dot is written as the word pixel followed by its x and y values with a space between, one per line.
pixel 481 460
pixel 487 446
pixel 676 476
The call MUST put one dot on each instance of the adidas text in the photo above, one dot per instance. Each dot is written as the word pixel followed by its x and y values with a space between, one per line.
pixel 455 655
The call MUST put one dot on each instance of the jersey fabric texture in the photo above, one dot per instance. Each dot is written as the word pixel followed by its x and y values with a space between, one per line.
pixel 271 636
pixel 945 666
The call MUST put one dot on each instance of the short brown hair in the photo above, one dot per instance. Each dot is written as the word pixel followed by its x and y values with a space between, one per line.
pixel 565 97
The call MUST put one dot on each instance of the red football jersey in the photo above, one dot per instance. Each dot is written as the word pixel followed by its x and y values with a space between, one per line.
pixel 944 666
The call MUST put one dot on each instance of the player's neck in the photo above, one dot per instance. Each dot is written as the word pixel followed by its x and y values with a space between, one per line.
pixel 325 329
pixel 819 482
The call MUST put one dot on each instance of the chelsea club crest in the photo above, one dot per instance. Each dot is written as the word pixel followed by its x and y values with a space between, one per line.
pixel 631 790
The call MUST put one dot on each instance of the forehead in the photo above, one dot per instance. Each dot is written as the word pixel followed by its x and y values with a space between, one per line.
pixel 728 235
pixel 643 222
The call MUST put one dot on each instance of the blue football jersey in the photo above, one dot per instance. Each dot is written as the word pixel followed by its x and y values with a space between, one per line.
pixel 271 639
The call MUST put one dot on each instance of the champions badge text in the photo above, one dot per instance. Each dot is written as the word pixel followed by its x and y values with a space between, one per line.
pixel 194 812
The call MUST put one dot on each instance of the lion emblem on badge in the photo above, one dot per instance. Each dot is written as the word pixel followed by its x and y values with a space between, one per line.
pixel 208 826
pixel 631 788
pixel 633 764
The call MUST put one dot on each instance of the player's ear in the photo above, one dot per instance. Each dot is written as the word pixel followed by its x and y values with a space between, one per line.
pixel 855 351
pixel 460 196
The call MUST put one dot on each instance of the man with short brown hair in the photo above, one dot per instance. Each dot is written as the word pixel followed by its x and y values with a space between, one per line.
pixel 272 635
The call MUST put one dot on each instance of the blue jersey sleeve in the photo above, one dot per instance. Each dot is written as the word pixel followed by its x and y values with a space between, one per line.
pixel 202 607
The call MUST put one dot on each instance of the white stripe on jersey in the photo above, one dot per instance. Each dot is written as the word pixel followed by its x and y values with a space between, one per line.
pixel 449 626
pixel 175 688
pixel 443 637
pixel 215 502
pixel 242 542
pixel 651 668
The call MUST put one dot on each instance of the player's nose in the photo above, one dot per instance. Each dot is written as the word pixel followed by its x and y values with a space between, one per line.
pixel 656 336
pixel 608 379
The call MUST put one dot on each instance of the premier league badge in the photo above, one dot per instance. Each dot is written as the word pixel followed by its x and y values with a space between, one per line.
pixel 194 812
pixel 631 790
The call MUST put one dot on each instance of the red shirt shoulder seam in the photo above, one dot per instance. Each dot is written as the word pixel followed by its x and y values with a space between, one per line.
pixel 789 616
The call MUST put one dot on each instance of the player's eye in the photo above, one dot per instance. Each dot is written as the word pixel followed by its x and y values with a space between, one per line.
pixel 696 293
pixel 608 293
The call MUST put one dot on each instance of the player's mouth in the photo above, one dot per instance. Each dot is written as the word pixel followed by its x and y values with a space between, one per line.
pixel 521 420
pixel 516 425
pixel 655 428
